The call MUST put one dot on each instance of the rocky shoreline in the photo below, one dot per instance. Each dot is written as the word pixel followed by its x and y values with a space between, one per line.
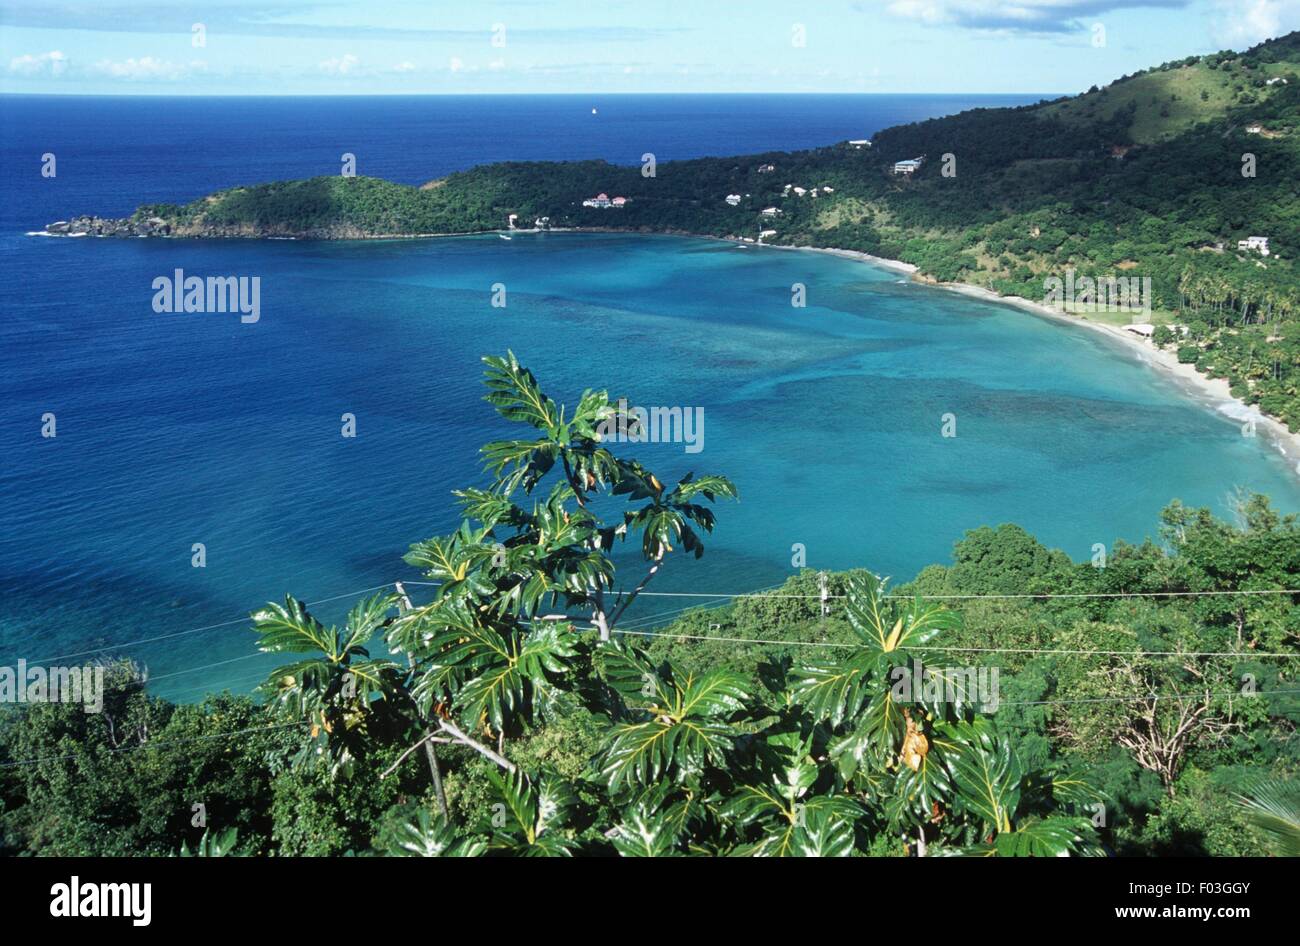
pixel 89 225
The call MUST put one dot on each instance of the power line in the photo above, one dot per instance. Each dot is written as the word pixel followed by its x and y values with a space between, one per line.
pixel 989 650
pixel 635 627
pixel 1147 696
pixel 193 630
pixel 992 597
pixel 721 597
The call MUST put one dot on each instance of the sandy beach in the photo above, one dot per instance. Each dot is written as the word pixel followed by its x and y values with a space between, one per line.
pixel 1214 393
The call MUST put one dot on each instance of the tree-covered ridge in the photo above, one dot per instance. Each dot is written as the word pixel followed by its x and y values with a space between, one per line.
pixel 1148 706
pixel 1143 178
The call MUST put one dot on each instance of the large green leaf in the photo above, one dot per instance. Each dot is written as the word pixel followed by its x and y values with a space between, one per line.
pixel 1273 808
pixel 986 773
pixel 425 837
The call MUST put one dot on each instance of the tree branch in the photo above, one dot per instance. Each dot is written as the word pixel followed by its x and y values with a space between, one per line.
pixel 654 569
pixel 454 731
pixel 427 738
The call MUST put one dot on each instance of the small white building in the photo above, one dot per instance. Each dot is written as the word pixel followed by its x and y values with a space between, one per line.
pixel 771 211
pixel 1276 80
pixel 603 202
pixel 1255 244
pixel 766 168
pixel 828 190
pixel 733 199
pixel 800 191
pixel 859 143
pixel 909 166
pixel 1254 128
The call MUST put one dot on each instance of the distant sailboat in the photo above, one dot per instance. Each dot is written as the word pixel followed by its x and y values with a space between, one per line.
pixel 504 237
pixel 593 111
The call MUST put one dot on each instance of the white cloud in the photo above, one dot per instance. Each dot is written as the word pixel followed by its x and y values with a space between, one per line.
pixel 1028 16
pixel 1242 23
pixel 340 65
pixel 404 66
pixel 456 64
pixel 146 67
pixel 52 63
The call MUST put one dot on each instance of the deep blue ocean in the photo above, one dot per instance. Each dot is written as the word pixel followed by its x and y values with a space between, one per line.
pixel 177 429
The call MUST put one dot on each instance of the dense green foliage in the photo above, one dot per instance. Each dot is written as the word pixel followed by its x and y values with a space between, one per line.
pixel 1126 715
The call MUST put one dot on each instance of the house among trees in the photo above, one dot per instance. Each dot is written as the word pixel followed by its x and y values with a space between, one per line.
pixel 733 199
pixel 1256 244
pixel 771 211
pixel 766 168
pixel 1254 128
pixel 603 201
pixel 859 143
pixel 909 166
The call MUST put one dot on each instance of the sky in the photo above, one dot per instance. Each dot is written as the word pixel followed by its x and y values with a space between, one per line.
pixel 345 47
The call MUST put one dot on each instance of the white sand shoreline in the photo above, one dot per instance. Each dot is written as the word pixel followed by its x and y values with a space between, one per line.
pixel 1212 393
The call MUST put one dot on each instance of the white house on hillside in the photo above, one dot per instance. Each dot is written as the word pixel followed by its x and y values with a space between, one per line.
pixel 733 199
pixel 1256 244
pixel 771 211
pixel 909 166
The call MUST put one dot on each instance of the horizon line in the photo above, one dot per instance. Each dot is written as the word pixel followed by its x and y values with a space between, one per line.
pixel 378 95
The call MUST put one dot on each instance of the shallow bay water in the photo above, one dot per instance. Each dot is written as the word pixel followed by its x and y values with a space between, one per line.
pixel 180 428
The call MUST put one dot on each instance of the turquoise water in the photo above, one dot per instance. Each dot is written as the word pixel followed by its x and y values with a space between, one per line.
pixel 175 429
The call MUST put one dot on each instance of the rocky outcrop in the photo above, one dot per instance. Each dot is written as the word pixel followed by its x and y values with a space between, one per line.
pixel 106 226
